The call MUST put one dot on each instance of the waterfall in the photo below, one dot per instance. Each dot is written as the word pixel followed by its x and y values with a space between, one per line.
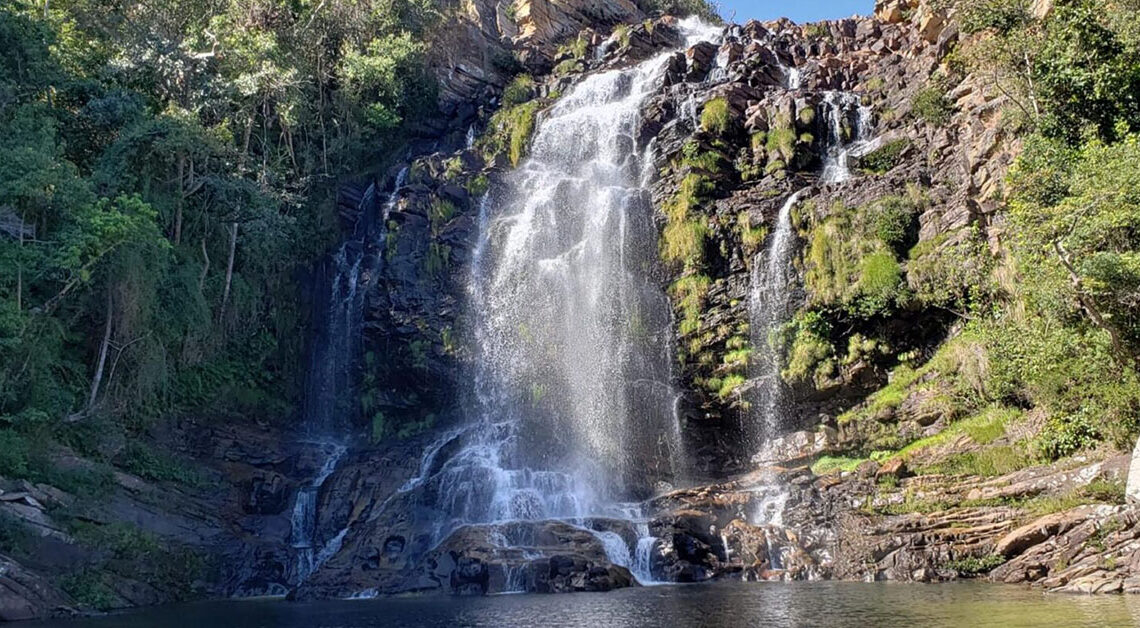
pixel 773 277
pixel 848 122
pixel 572 407
pixel 793 77
pixel 394 197
pixel 331 380
pixel 330 402
pixel 773 281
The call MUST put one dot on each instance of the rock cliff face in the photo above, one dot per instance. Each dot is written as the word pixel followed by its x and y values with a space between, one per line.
pixel 773 109
pixel 734 129
pixel 483 43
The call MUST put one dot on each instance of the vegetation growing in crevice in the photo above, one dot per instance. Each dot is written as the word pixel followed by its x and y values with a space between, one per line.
pixel 931 105
pixel 509 132
pixel 884 158
pixel 852 258
pixel 715 117
pixel 683 240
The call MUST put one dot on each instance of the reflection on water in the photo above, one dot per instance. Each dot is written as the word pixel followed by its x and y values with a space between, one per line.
pixel 830 605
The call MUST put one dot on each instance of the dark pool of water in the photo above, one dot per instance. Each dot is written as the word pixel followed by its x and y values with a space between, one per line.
pixel 830 605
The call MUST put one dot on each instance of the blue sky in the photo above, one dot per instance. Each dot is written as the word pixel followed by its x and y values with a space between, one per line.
pixel 798 10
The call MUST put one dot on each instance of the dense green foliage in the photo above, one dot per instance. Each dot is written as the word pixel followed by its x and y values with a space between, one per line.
pixel 1049 326
pixel 1068 337
pixel 167 168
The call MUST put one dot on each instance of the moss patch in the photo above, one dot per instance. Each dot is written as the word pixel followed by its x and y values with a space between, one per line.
pixel 715 117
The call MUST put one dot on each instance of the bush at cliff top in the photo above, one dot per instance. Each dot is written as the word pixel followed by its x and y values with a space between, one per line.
pixel 700 8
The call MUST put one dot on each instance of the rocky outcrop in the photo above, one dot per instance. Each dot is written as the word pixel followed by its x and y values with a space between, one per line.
pixel 1089 549
pixel 523 556
pixel 481 43
pixel 782 524
pixel 549 21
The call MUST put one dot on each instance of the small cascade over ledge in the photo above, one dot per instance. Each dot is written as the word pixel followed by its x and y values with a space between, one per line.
pixel 848 123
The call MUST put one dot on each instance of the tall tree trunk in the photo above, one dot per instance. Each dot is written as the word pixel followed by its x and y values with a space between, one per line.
pixel 229 269
pixel 264 142
pixel 20 269
pixel 321 113
pixel 181 199
pixel 205 267
pixel 103 348
pixel 245 144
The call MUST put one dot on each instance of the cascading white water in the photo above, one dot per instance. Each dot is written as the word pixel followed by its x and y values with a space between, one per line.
pixel 642 568
pixel 793 77
pixel 304 519
pixel 773 275
pixel 573 411
pixel 397 188
pixel 615 547
pixel 848 122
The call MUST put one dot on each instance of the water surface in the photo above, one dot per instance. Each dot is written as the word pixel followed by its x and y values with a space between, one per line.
pixel 830 605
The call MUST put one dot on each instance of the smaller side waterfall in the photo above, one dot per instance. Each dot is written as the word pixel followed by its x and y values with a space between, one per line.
pixel 772 279
pixel 335 357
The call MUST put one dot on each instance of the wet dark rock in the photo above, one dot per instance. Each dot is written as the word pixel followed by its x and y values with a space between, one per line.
pixel 268 494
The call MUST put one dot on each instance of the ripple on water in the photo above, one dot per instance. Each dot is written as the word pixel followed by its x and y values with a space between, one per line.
pixel 808 605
